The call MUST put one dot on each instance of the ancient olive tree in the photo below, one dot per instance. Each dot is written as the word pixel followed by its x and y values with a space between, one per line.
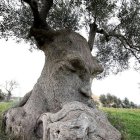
pixel 60 107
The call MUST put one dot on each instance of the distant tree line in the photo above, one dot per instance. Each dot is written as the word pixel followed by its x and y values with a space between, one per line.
pixel 112 101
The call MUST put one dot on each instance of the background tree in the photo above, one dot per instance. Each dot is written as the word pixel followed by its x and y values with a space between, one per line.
pixel 9 87
pixel 126 103
pixel 118 103
pixel 109 100
pixel 103 100
pixel 133 105
pixel 2 95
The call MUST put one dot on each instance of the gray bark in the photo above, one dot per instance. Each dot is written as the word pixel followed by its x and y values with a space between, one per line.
pixel 60 100
pixel 76 121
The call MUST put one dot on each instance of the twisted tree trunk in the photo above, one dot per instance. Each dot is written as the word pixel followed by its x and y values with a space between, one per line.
pixel 59 107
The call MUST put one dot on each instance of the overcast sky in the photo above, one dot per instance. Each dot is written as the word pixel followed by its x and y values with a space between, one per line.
pixel 18 63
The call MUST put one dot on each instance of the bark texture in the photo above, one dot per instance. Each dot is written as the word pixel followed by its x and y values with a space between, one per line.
pixel 76 121
pixel 59 106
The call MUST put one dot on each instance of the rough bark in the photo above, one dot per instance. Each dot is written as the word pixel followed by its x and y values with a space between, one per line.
pixel 59 106
pixel 76 121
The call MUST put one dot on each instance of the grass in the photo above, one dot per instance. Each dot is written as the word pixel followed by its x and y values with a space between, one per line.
pixel 127 121
pixel 3 107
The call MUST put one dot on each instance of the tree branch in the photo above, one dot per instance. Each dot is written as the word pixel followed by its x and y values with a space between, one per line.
pixel 133 53
pixel 38 23
pixel 132 48
pixel 121 37
pixel 92 34
pixel 101 31
pixel 39 19
pixel 118 36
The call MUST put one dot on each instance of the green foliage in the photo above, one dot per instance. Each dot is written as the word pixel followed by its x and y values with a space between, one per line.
pixel 16 20
pixel 118 51
pixel 64 14
pixel 103 100
pixel 130 19
pixel 126 103
pixel 114 55
pixel 100 10
pixel 126 121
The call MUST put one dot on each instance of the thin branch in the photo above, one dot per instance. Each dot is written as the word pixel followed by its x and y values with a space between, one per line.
pixel 119 36
pixel 101 31
pixel 117 27
pixel 133 53
pixel 129 49
pixel 122 38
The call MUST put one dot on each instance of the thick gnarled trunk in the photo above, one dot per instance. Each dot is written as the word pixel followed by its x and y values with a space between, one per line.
pixel 59 107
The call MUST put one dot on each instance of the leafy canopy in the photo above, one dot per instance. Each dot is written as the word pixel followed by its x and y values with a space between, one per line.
pixel 117 34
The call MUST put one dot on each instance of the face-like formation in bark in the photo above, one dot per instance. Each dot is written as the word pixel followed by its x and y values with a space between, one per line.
pixel 70 66
pixel 73 50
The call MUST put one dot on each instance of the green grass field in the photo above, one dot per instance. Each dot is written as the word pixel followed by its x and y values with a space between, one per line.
pixel 127 121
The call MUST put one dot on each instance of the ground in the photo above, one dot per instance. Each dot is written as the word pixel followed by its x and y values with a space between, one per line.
pixel 125 120
pixel 3 107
